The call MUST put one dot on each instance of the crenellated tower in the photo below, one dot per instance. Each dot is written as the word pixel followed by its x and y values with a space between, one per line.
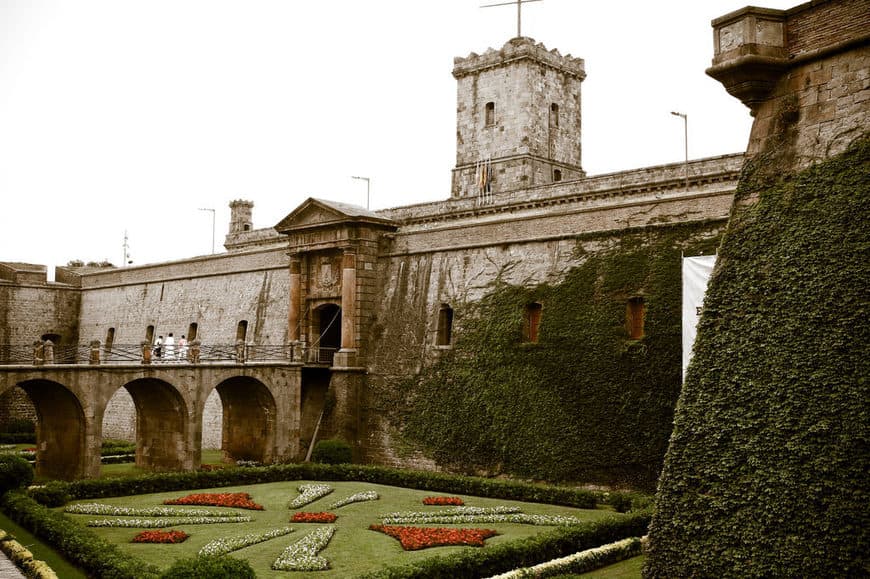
pixel 517 119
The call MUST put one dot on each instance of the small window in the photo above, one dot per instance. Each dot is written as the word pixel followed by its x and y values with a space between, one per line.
pixel 557 175
pixel 242 331
pixel 445 326
pixel 554 115
pixel 149 334
pixel 490 114
pixel 635 311
pixel 532 322
pixel 246 227
pixel 110 339
pixel 191 331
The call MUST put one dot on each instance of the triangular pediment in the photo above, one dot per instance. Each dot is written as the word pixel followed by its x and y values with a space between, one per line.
pixel 318 213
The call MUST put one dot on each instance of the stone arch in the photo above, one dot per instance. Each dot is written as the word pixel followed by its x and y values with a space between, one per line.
pixel 162 425
pixel 249 419
pixel 60 429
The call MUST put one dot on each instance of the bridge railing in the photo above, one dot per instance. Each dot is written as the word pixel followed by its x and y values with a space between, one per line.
pixel 46 353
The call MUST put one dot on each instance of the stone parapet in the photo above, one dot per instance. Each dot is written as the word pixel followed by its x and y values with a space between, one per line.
pixel 205 266
pixel 610 186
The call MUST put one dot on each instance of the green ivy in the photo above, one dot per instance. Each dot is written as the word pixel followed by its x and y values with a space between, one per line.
pixel 766 474
pixel 584 403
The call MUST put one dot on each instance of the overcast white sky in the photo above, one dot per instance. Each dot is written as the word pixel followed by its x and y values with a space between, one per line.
pixel 132 114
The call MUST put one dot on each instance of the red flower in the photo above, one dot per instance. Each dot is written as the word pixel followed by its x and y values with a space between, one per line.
pixel 455 501
pixel 414 538
pixel 303 517
pixel 234 500
pixel 160 537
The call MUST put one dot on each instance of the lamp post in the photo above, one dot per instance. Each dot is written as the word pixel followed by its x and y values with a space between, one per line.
pixel 212 226
pixel 685 118
pixel 368 187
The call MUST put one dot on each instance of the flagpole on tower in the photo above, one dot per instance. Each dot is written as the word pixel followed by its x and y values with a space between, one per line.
pixel 519 5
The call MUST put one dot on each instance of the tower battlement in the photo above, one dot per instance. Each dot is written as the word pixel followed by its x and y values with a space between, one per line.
pixel 518 49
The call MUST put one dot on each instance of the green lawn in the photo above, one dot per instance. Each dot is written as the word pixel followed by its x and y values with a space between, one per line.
pixel 628 569
pixel 353 550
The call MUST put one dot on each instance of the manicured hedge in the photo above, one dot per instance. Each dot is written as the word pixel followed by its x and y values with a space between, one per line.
pixel 91 553
pixel 496 559
pixel 424 480
pixel 766 475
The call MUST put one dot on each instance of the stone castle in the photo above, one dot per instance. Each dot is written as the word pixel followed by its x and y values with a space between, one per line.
pixel 358 302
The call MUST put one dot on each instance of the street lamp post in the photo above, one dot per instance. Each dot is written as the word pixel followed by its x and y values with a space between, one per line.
pixel 685 118
pixel 368 187
pixel 212 226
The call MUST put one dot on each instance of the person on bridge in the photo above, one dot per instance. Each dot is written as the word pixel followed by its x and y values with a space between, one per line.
pixel 169 346
pixel 182 349
pixel 158 347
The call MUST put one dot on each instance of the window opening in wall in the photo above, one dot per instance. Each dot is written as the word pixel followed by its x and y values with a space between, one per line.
pixel 55 338
pixel 242 331
pixel 445 326
pixel 246 227
pixel 110 339
pixel 191 331
pixel 635 312
pixel 554 115
pixel 490 114
pixel 149 334
pixel 557 175
pixel 532 322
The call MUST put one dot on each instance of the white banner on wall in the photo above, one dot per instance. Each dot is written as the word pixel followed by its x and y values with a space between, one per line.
pixel 696 274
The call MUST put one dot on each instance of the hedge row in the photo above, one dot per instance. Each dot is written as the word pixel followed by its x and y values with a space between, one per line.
pixel 23 559
pixel 523 553
pixel 423 480
pixel 79 545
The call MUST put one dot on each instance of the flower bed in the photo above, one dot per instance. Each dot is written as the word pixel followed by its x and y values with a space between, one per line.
pixel 235 500
pixel 167 522
pixel 160 537
pixel 476 515
pixel 309 494
pixel 415 538
pixel 112 510
pixel 303 517
pixel 230 544
pixel 442 501
pixel 356 498
pixel 302 555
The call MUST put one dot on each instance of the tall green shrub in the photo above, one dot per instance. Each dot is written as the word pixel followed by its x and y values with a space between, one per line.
pixel 766 474
pixel 332 452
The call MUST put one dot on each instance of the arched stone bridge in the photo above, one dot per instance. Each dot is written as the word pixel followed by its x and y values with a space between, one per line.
pixel 261 401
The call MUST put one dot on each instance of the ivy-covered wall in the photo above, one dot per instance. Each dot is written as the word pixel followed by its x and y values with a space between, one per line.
pixel 585 403
pixel 766 474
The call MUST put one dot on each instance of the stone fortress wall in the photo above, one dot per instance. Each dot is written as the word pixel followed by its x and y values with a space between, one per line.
pixel 524 232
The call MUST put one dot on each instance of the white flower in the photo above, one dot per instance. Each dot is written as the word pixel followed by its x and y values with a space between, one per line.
pixel 166 522
pixel 230 544
pixel 302 555
pixel 355 498
pixel 111 510
pixel 476 515
pixel 309 494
